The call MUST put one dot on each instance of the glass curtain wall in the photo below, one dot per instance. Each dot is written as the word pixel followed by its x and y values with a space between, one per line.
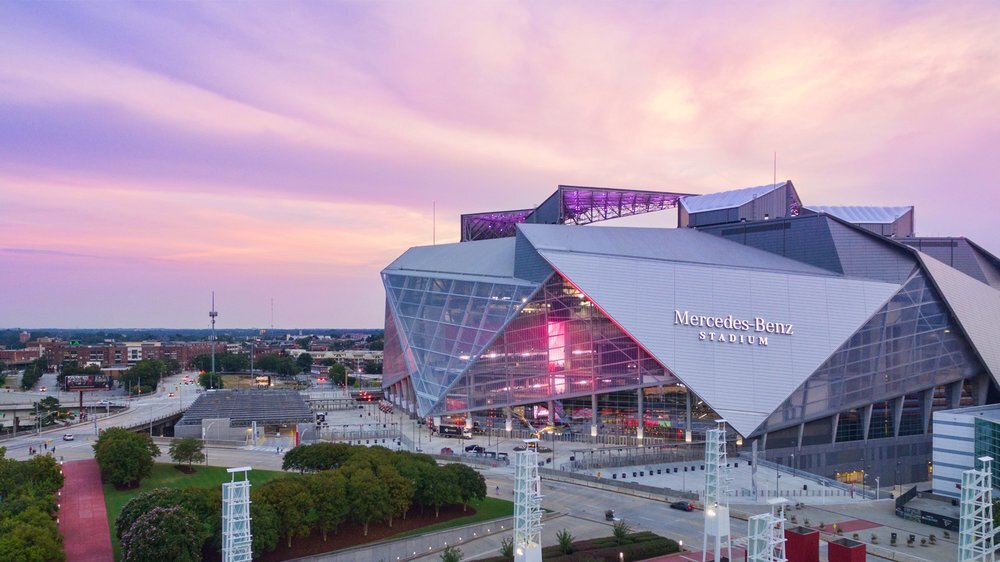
pixel 558 346
pixel 910 343
pixel 444 323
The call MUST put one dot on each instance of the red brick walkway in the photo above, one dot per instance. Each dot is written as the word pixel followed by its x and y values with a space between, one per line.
pixel 83 520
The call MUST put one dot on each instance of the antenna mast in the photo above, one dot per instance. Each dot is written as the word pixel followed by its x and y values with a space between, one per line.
pixel 212 314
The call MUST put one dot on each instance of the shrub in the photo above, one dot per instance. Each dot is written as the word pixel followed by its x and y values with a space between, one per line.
pixel 451 554
pixel 507 547
pixel 621 531
pixel 565 539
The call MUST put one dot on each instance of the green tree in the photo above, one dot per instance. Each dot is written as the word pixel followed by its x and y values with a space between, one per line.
pixel 373 368
pixel 30 536
pixel 280 364
pixel 33 372
pixel 367 497
pixel 143 376
pixel 125 458
pixel 266 529
pixel 163 533
pixel 157 497
pixel 441 489
pixel 187 450
pixel 329 490
pixel 400 490
pixel 471 484
pixel 317 457
pixel 210 380
pixel 206 505
pixel 293 502
pixel 304 361
pixel 338 374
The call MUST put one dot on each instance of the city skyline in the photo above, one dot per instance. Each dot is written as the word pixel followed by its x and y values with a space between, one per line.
pixel 153 153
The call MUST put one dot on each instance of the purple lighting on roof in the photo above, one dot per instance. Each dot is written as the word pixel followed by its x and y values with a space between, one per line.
pixel 569 205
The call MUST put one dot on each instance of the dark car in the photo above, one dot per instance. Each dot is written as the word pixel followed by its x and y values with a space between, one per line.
pixel 683 506
pixel 471 448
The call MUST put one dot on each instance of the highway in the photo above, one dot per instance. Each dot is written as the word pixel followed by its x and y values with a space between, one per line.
pixel 84 433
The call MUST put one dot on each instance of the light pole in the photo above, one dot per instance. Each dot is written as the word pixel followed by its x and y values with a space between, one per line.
pixel 895 483
pixel 793 465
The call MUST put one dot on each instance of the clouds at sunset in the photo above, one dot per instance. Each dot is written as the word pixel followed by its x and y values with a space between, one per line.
pixel 150 153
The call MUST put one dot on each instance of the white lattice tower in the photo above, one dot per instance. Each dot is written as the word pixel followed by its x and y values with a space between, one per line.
pixel 975 525
pixel 716 498
pixel 766 534
pixel 527 506
pixel 236 538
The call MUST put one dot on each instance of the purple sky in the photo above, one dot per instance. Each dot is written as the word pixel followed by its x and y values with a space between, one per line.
pixel 153 152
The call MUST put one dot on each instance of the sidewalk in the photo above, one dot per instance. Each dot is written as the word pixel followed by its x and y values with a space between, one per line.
pixel 83 520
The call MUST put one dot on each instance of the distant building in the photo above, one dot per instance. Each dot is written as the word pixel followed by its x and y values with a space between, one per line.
pixel 24 337
pixel 960 437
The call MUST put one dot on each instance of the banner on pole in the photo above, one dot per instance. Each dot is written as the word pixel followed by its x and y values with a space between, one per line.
pixel 753 469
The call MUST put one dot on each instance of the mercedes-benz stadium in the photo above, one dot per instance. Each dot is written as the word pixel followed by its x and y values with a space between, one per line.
pixel 827 334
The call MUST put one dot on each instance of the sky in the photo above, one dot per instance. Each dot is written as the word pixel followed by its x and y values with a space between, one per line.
pixel 151 153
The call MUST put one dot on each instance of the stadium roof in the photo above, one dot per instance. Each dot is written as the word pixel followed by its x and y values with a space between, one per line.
pixel 243 407
pixel 727 199
pixel 661 244
pixel 570 204
pixel 862 214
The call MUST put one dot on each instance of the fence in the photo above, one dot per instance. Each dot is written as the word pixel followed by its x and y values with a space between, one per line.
pixel 631 488
pixel 828 482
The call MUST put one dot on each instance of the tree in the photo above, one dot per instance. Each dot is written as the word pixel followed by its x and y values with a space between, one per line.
pixel 143 376
pixel 471 484
pixel 157 497
pixel 367 497
pixel 187 451
pixel 30 536
pixel 265 527
pixel 338 373
pixel 317 457
pixel 163 533
pixel 440 489
pixel 210 380
pixel 400 490
pixel 304 361
pixel 125 458
pixel 329 489
pixel 293 503
pixel 373 368
pixel 279 364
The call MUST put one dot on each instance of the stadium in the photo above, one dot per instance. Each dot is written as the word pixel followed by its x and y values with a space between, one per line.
pixel 828 335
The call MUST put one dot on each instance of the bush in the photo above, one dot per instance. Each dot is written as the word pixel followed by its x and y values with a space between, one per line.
pixel 621 531
pixel 565 539
pixel 507 547
pixel 147 501
pixel 451 554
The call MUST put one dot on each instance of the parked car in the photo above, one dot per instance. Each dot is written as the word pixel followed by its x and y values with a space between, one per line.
pixel 69 437
pixel 470 448
pixel 683 506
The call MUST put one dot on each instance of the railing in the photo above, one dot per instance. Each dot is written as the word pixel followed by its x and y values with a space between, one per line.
pixel 828 482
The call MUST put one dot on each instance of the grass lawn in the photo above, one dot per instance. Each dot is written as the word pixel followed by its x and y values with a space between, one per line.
pixel 166 476
pixel 489 508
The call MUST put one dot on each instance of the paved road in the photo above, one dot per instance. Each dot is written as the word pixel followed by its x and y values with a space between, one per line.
pixel 143 409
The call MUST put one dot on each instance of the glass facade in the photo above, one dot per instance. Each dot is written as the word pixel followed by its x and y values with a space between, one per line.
pixel 987 442
pixel 558 346
pixel 911 343
pixel 443 324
